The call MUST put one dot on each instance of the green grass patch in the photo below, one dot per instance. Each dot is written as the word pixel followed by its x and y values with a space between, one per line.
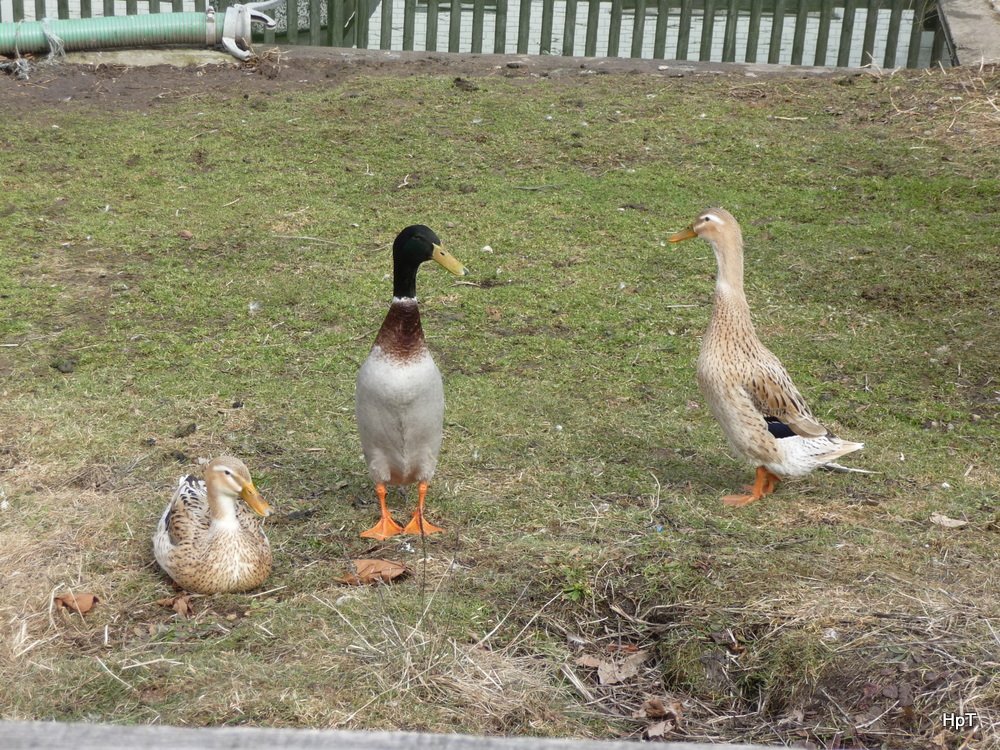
pixel 226 263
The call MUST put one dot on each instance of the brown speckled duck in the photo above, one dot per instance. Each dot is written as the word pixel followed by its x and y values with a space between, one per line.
pixel 762 413
pixel 208 541
pixel 399 398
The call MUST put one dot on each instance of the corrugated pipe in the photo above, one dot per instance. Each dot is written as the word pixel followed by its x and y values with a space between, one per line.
pixel 116 32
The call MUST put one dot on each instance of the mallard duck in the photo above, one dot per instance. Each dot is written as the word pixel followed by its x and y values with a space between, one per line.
pixel 399 398
pixel 762 413
pixel 207 541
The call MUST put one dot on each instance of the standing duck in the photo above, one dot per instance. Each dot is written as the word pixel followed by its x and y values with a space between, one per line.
pixel 399 398
pixel 208 541
pixel 762 413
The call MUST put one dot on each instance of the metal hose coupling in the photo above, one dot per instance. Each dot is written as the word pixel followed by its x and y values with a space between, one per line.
pixel 236 31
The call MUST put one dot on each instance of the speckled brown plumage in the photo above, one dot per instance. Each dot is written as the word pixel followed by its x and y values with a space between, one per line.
pixel 206 542
pixel 763 415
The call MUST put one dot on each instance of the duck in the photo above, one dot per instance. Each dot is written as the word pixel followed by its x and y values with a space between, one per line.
pixel 207 540
pixel 399 394
pixel 749 392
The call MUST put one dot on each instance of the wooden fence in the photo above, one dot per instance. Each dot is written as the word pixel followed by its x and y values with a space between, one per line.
pixel 843 33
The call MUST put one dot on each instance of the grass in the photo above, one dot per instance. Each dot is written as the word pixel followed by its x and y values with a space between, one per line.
pixel 178 275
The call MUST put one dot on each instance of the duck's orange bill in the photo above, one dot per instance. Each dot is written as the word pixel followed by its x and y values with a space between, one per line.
pixel 684 234
pixel 254 500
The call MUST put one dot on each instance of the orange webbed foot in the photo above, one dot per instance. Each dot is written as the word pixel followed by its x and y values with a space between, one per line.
pixel 418 524
pixel 385 528
pixel 764 484
pixel 738 501
pixel 418 520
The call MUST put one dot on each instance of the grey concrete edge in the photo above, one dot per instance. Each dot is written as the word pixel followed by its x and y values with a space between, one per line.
pixel 974 28
pixel 18 735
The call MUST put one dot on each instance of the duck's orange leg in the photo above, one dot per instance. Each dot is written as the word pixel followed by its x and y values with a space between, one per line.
pixel 418 524
pixel 764 484
pixel 386 526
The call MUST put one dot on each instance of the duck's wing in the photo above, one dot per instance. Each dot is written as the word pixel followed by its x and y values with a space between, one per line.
pixel 775 396
pixel 187 516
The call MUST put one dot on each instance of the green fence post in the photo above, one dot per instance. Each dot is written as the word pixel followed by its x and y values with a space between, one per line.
pixel 799 38
pixel 660 32
pixel 871 24
pixel 385 25
pixel 638 28
pixel 548 12
pixel 478 15
pixel 62 8
pixel 590 41
pixel 615 28
pixel 753 32
pixel 892 36
pixel 823 38
pixel 500 31
pixel 335 23
pixel 707 30
pixel 777 31
pixel 315 23
pixel 523 27
pixel 361 23
pixel 729 36
pixel 87 11
pixel 684 30
pixel 916 32
pixel 409 24
pixel 846 33
pixel 454 26
pixel 431 39
pixel 19 9
pixel 291 22
pixel 569 29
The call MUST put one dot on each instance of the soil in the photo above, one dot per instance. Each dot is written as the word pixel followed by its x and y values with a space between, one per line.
pixel 125 81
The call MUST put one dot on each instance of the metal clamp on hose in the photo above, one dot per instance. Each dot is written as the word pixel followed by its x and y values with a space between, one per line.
pixel 236 28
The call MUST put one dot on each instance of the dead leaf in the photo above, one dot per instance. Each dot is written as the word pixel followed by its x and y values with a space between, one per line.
pixel 374 571
pixel 185 234
pixel 181 604
pixel 656 709
pixel 79 603
pixel 611 673
pixel 949 523
pixel 659 729
pixel 589 660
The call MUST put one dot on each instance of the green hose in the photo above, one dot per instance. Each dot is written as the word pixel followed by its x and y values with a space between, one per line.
pixel 108 33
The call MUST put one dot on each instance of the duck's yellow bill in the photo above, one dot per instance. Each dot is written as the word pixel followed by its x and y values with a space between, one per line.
pixel 445 259
pixel 684 234
pixel 254 500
